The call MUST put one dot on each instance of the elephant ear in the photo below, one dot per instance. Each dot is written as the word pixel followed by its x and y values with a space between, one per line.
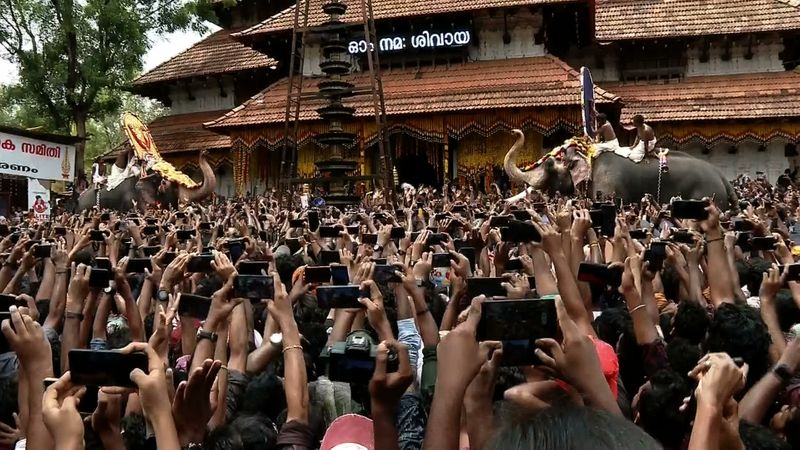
pixel 579 169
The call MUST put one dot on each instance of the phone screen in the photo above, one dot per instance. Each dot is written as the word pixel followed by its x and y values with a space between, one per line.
pixel 690 209
pixel 518 324
pixel 195 306
pixel 253 267
pixel 369 238
pixel 330 257
pixel 317 274
pixel 340 276
pixel 99 278
pixel 105 367
pixel 599 274
pixel 254 287
pixel 138 265
pixel 339 296
pixel 199 263
pixel 489 286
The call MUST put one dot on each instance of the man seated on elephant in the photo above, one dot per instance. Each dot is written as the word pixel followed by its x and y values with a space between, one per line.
pixel 606 137
pixel 645 140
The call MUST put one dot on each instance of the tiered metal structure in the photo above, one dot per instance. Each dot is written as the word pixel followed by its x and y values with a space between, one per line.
pixel 335 172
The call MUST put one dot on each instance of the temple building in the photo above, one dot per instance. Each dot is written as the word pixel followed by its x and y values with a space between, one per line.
pixel 715 78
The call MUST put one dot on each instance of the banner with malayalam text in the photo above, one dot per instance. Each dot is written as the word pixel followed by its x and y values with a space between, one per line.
pixel 34 158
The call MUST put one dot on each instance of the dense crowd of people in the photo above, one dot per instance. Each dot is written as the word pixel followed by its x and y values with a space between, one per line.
pixel 436 319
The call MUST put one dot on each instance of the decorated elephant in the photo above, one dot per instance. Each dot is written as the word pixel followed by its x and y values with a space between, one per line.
pixel 610 174
pixel 150 190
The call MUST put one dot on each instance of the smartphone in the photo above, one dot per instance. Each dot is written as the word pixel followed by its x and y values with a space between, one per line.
pixel 518 324
pixel 196 306
pixel 441 260
pixel 441 216
pixel 102 263
pixel 200 263
pixel 499 221
pixel 253 267
pixel 384 274
pixel 690 209
pixel 469 253
pixel 763 243
pixel 518 232
pixel 297 223
pixel 599 274
pixel 398 233
pixel 339 296
pixel 180 215
pixel 254 287
pixel 792 271
pixel 329 232
pixel 489 286
pixel 609 223
pixel 235 249
pixel 205 226
pixel 436 239
pixel 521 214
pixel 513 265
pixel 352 230
pixel 99 278
pixel 369 238
pixel 743 241
pixel 105 217
pixel 458 208
pixel 656 255
pixel 42 251
pixel 138 265
pixel 168 257
pixel 151 221
pixel 97 236
pixel 742 225
pixel 317 274
pixel 4 230
pixel 185 235
pixel 330 257
pixel 638 234
pixel 340 276
pixel 149 230
pixel 682 237
pixel 313 219
pixel 105 367
pixel 9 300
pixel 60 231
pixel 88 403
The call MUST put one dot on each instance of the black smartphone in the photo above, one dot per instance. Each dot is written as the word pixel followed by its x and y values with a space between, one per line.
pixel 9 300
pixel 609 223
pixel 513 265
pixel 102 263
pixel 235 249
pixel 792 271
pixel 253 267
pixel 469 253
pixel 329 232
pixel 518 232
pixel 398 233
pixel 499 221
pixel 682 237
pixel 151 250
pixel 690 209
pixel 441 216
pixel 200 263
pixel 60 231
pixel 180 215
pixel 489 286
pixel 88 403
pixel 369 238
pixel 313 219
pixel 263 235
pixel 763 243
pixel 385 273
pixel 42 251
pixel 138 265
pixel 196 306
pixel 99 278
pixel 340 276
pixel 151 221
pixel 105 217
pixel 205 226
pixel 168 257
pixel 655 256
pixel 254 287
pixel 521 214
pixel 742 225
pixel 599 274
pixel 339 296
pixel 149 230
pixel 329 257
pixel 436 239
pixel 743 241
pixel 185 235
pixel 352 230
pixel 518 324
pixel 105 367
pixel 458 208
pixel 97 236
pixel 297 223
pixel 4 230
pixel 638 234
pixel 317 274
pixel 293 244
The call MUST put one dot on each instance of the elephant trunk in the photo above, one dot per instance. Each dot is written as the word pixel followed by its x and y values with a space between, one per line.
pixel 510 163
pixel 197 194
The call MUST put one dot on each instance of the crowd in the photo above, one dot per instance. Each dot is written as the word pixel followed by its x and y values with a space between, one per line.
pixel 441 320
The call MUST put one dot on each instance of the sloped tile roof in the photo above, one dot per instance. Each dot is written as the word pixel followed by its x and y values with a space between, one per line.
pixel 216 54
pixel 384 9
pixel 185 132
pixel 721 97
pixel 509 83
pixel 649 19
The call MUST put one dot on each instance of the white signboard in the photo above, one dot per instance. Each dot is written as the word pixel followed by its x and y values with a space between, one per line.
pixel 38 200
pixel 424 40
pixel 34 158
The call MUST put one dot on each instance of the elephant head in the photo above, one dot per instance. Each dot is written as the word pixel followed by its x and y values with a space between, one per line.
pixel 189 195
pixel 154 187
pixel 551 176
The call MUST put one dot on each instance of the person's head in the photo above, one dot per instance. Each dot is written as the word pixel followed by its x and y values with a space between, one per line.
pixel 656 408
pixel 638 120
pixel 134 432
pixel 612 323
pixel 788 312
pixel 739 331
pixel 690 322
pixel 602 119
pixel 225 437
pixel 751 273
pixel 567 426
pixel 758 437
pixel 8 397
pixel 256 431
pixel 264 396
pixel 683 355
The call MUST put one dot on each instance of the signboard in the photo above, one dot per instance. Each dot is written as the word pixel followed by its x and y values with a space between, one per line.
pixel 38 200
pixel 424 40
pixel 587 103
pixel 34 158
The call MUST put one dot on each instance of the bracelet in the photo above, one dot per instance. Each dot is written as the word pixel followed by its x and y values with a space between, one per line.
pixel 638 307
pixel 73 315
pixel 61 272
pixel 714 240
pixel 592 244
pixel 290 347
pixel 424 311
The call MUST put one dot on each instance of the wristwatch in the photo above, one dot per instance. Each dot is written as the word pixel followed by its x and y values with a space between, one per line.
pixel 276 339
pixel 162 295
pixel 378 248
pixel 783 372
pixel 203 334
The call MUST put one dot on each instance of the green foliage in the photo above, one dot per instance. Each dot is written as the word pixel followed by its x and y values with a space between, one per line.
pixel 75 56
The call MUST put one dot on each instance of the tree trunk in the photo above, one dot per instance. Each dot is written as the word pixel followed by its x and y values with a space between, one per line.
pixel 80 130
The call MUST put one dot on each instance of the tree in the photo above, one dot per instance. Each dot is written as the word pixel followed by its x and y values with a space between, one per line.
pixel 74 57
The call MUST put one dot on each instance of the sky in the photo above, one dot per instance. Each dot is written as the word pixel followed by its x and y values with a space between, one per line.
pixel 164 47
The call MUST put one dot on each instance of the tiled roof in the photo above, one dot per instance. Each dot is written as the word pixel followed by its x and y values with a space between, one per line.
pixel 509 83
pixel 185 132
pixel 385 9
pixel 721 97
pixel 649 19
pixel 216 54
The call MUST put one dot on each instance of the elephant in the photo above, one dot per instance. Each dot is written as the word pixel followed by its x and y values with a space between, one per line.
pixel 688 177
pixel 148 190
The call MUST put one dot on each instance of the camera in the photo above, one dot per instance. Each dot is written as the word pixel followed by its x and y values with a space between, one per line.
pixel 353 360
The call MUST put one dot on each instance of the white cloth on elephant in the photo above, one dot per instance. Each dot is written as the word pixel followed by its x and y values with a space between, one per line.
pixel 636 153
pixel 610 146
pixel 119 175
